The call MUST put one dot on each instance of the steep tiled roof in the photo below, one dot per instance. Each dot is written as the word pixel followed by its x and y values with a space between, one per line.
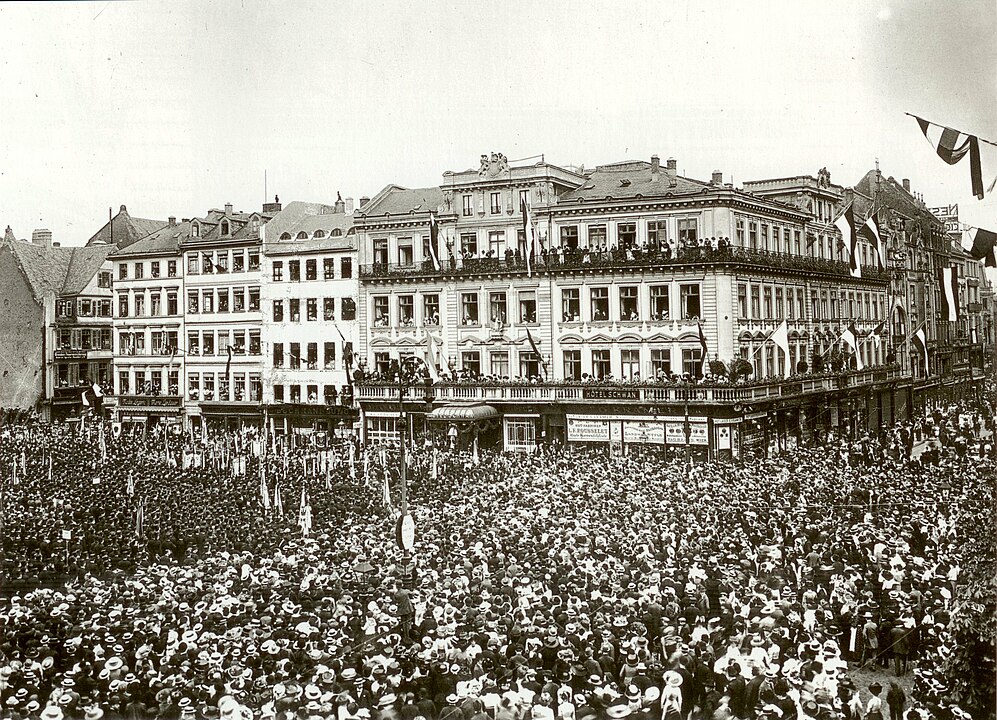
pixel 629 179
pixel 123 230
pixel 210 226
pixel 163 240
pixel 85 263
pixel 397 200
pixel 45 268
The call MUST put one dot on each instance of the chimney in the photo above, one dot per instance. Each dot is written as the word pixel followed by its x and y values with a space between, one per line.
pixel 123 210
pixel 41 237
pixel 718 178
pixel 655 167
pixel 349 206
pixel 672 171
pixel 906 183
pixel 340 206
pixel 228 209
pixel 272 208
pixel 173 220
pixel 363 201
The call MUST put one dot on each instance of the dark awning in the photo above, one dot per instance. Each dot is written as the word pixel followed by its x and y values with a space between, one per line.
pixel 464 413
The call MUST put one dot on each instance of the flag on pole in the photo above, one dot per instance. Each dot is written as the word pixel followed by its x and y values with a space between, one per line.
pixel 386 491
pixel 264 490
pixel 139 519
pixel 131 484
pixel 952 146
pixel 780 337
pixel 304 513
pixel 877 334
pixel 846 225
pixel 949 284
pixel 347 355
pixel 704 350
pixel 278 504
pixel 434 238
pixel 920 344
pixel 527 236
pixel 980 245
pixel 535 349
pixel 872 230
pixel 434 372
pixel 851 340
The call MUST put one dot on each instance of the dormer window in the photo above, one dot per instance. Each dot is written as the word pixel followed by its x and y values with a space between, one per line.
pixel 336 233
pixel 302 235
pixel 225 227
pixel 285 236
pixel 195 230
pixel 319 234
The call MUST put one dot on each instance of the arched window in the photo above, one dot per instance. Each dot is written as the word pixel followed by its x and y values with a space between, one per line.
pixel 302 235
pixel 285 236
pixel 319 234
pixel 336 233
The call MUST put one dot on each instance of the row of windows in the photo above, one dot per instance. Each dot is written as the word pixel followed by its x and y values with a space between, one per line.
pixel 311 269
pixel 73 374
pixel 767 302
pixel 494 203
pixel 347 310
pixel 83 339
pixel 204 342
pixel 206 262
pixel 156 268
pixel 317 235
pixel 83 307
pixel 149 382
pixel 142 304
pixel 223 300
pixel 217 386
pixel 294 394
pixel 294 360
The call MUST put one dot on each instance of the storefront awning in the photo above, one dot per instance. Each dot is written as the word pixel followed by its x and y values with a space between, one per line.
pixel 464 413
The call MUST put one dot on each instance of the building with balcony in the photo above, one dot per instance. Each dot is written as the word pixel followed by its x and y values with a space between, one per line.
pixel 149 357
pixel 309 292
pixel 631 266
pixel 222 320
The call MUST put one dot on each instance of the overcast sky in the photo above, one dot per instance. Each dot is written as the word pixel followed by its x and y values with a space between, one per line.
pixel 174 108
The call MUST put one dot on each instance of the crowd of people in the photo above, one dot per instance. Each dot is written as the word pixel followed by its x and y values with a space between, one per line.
pixel 162 576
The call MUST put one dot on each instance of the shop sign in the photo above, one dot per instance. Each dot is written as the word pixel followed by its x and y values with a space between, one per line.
pixel 587 430
pixel 645 432
pixel 698 434
pixel 675 433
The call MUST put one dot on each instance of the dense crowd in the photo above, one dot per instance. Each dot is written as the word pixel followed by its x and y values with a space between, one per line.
pixel 562 584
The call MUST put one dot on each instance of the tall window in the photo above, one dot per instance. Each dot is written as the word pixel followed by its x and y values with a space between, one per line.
pixel 294 270
pixel 569 236
pixel 311 309
pixel 690 301
pixel 572 364
pixel 311 269
pixel 756 302
pixel 278 270
pixel 254 342
pixel 278 355
pixel 295 306
pixel 171 303
pixel 140 305
pixel 626 234
pixel 138 271
pixel 753 236
pixel 469 308
pixel 470 360
pixel 155 304
pixel 328 308
pixel 381 251
pixel 208 342
pixel 742 301
pixel 570 305
pixel 688 231
pixel 295 359
pixel 381 311
pixel 405 252
pixel 659 302
pixel 406 309
pixel 122 271
pixel 123 305
pixel 657 233
pixel 495 203
pixel 692 361
pixel 740 233
pixel 496 242
pixel 238 299
pixel 312 356
pixel 599 303
pixel 328 268
pixel 527 306
pixel 222 264
pixel 346 268
pixel 601 364
pixel 223 300
pixel 469 243
pixel 254 260
pixel 661 362
pixel 630 363
pixel 467 205
pixel 778 304
pixel 278 311
pixel 597 236
pixel 497 308
pixel 767 295
pixel 329 355
pixel 628 303
pixel 499 363
pixel 431 309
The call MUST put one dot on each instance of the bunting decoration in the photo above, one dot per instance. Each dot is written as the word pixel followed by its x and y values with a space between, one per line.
pixel 533 346
pixel 952 146
pixel 877 334
pixel 434 239
pixel 871 227
pixel 920 345
pixel 846 225
pixel 949 284
pixel 528 235
pixel 704 350
pixel 434 372
pixel 850 339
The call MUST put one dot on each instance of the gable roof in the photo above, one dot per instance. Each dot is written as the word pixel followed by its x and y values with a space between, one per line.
pixel 83 266
pixel 628 179
pixel 164 240
pixel 123 230
pixel 397 200
pixel 45 268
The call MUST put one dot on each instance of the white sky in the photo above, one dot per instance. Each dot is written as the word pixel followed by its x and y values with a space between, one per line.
pixel 173 108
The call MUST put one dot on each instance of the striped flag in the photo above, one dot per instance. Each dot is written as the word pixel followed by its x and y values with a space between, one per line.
pixel 434 372
pixel 846 225
pixel 140 519
pixel 278 504
pixel 533 346
pixel 386 491
pixel 952 146
pixel 434 239
pixel 304 513
pixel 872 230
pixel 949 284
pixel 705 350
pixel 780 336
pixel 920 345
pixel 877 334
pixel 528 235
pixel 264 490
pixel 979 244
pixel 851 340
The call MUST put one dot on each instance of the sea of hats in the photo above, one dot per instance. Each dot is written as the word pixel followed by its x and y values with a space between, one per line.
pixel 557 585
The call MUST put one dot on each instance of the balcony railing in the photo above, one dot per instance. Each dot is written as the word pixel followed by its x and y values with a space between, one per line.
pixel 572 260
pixel 649 394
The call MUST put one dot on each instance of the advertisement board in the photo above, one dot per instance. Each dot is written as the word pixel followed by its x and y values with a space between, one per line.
pixel 645 432
pixel 698 434
pixel 587 430
pixel 675 433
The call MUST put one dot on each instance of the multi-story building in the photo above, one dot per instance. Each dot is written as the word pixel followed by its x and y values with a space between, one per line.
pixel 309 292
pixel 636 268
pixel 222 319
pixel 149 382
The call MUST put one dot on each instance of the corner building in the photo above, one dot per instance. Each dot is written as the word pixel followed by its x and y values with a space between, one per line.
pixel 632 261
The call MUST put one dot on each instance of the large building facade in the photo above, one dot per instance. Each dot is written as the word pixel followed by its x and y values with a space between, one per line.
pixel 634 269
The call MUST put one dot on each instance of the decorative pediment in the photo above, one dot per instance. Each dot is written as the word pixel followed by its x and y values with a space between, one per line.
pixel 571 339
pixel 600 338
pixel 630 337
